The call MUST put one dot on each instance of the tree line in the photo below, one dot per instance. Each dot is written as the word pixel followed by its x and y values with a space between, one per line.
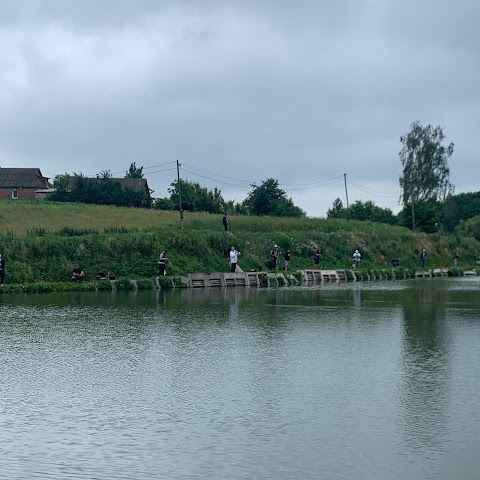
pixel 450 215
pixel 264 199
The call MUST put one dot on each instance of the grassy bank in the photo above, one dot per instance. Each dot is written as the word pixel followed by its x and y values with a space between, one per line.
pixel 42 242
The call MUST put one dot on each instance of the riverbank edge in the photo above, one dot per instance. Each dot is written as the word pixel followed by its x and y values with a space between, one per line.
pixel 265 279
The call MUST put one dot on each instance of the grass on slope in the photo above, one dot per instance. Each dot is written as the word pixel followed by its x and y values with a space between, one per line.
pixel 43 240
pixel 23 217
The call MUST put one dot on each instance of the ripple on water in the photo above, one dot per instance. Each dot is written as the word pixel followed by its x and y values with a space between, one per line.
pixel 349 381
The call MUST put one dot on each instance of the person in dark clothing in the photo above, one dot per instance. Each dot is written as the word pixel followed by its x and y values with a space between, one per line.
pixel 395 262
pixel 225 221
pixel 456 256
pixel 274 258
pixel 162 262
pixel 286 260
pixel 317 255
pixel 423 257
pixel 2 269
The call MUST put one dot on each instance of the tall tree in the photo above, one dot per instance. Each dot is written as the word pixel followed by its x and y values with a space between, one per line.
pixel 105 174
pixel 196 198
pixel 134 171
pixel 368 211
pixel 337 210
pixel 364 211
pixel 269 199
pixel 426 175
pixel 426 215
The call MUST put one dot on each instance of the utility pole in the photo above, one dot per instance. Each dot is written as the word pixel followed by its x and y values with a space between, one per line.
pixel 413 200
pixel 413 215
pixel 179 194
pixel 346 194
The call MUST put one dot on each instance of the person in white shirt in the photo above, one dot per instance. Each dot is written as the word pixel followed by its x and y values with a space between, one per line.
pixel 356 258
pixel 233 258
pixel 162 262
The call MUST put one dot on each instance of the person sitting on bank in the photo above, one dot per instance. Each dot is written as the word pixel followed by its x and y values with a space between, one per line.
pixel 78 275
pixel 162 262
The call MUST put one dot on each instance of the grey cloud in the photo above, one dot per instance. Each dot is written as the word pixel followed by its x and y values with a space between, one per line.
pixel 245 90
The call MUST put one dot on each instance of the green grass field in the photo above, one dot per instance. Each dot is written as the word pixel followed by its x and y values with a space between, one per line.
pixel 42 241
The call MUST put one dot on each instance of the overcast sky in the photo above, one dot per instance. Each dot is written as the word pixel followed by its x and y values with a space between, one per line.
pixel 240 91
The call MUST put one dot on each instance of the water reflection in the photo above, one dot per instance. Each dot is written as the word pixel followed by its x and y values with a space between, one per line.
pixel 357 296
pixel 425 381
pixel 241 383
pixel 234 299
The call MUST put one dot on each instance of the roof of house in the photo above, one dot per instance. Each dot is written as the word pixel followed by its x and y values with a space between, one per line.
pixel 136 184
pixel 22 178
pixel 133 183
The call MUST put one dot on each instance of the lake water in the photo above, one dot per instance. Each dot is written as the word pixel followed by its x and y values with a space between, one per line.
pixel 357 381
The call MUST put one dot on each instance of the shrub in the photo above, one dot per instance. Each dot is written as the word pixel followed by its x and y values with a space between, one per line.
pixel 124 284
pixel 73 232
pixel 37 232
pixel 145 284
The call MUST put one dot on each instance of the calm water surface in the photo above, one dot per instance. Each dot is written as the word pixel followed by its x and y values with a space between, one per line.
pixel 358 381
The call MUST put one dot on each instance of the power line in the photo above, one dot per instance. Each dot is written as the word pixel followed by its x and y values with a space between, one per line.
pixel 315 186
pixel 216 180
pixel 320 183
pixel 251 182
pixel 242 187
pixel 346 194
pixel 218 175
pixel 179 185
pixel 145 168
pixel 160 165
pixel 372 192
pixel 164 170
pixel 301 186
